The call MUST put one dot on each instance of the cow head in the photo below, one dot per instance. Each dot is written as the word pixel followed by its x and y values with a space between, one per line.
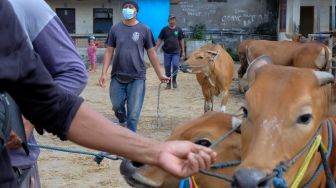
pixel 284 109
pixel 203 130
pixel 201 59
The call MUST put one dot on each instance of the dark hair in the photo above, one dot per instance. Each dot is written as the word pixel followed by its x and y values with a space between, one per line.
pixel 133 2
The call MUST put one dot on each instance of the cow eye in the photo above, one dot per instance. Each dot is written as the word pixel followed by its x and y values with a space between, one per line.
pixel 199 57
pixel 204 142
pixel 245 112
pixel 304 119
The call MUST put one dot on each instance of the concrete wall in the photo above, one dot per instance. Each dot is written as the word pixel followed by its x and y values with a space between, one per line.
pixel 231 15
pixel 84 11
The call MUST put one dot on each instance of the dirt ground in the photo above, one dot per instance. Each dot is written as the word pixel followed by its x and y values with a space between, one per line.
pixel 59 169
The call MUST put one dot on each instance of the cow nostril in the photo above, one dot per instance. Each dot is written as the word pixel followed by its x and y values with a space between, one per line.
pixel 128 168
pixel 250 178
pixel 137 164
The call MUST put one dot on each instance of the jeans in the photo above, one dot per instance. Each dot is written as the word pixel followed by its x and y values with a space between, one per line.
pixel 127 100
pixel 169 61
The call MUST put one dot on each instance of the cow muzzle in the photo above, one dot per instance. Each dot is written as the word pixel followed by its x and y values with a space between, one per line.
pixel 250 178
pixel 129 170
pixel 185 67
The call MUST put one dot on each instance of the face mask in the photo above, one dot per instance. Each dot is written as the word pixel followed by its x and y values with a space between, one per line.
pixel 128 13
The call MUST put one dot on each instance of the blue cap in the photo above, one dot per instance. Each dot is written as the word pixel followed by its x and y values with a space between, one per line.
pixel 91 38
pixel 133 2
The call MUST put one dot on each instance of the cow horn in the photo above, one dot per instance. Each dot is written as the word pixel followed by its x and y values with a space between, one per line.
pixel 324 77
pixel 256 64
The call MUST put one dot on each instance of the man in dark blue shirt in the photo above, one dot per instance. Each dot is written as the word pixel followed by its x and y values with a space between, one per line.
pixel 173 46
pixel 129 39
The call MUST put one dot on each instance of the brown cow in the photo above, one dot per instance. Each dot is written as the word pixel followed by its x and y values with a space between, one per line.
pixel 309 55
pixel 214 68
pixel 203 130
pixel 285 107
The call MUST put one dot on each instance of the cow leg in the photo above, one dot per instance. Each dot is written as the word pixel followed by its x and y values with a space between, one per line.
pixel 206 106
pixel 212 100
pixel 208 101
pixel 224 101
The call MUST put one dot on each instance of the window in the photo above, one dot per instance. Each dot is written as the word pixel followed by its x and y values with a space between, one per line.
pixel 67 16
pixel 102 20
pixel 224 1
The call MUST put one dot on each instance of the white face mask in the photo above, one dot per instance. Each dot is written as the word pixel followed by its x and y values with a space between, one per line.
pixel 128 13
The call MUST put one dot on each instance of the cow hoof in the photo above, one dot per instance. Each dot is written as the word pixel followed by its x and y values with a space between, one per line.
pixel 223 109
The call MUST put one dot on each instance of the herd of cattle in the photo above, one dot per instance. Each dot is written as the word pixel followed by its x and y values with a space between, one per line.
pixel 287 128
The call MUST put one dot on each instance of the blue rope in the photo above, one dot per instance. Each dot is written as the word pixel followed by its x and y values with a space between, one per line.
pixel 98 156
pixel 279 181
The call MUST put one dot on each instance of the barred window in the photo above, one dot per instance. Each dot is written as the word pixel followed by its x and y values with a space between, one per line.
pixel 224 1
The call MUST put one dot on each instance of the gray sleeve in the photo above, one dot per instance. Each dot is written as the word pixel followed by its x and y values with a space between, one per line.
pixel 149 39
pixel 59 55
pixel 25 78
pixel 111 39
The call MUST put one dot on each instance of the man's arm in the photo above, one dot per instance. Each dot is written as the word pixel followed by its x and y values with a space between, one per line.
pixel 92 130
pixel 182 48
pixel 108 55
pixel 153 58
pixel 158 44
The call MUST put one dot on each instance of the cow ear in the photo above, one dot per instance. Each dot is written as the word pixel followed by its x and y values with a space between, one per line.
pixel 235 122
pixel 255 65
pixel 324 77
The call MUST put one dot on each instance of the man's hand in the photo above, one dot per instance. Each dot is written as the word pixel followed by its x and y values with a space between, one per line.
pixel 14 141
pixel 183 159
pixel 183 56
pixel 164 79
pixel 102 81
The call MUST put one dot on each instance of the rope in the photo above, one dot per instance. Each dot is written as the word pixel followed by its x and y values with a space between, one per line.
pixel 98 156
pixel 158 116
pixel 283 166
pixel 225 164
pixel 306 162
pixel 320 167
pixel 216 175
pixel 213 145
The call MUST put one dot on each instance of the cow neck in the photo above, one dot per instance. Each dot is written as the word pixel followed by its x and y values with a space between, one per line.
pixel 210 76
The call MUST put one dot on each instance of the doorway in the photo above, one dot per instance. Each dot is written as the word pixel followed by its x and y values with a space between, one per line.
pixel 306 20
pixel 67 16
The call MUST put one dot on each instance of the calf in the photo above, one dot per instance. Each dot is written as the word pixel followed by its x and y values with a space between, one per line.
pixel 214 68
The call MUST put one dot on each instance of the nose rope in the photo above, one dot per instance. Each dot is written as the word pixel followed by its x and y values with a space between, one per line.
pixel 158 116
pixel 313 145
pixel 227 164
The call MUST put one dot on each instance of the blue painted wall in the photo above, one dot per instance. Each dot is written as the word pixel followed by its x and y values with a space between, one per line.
pixel 154 14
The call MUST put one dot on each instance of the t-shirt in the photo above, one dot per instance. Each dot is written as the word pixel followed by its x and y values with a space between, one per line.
pixel 129 43
pixel 171 39
pixel 24 77
pixel 50 39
